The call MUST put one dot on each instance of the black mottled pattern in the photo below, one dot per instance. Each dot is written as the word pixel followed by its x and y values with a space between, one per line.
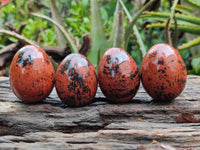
pixel 160 92
pixel 113 62
pixel 68 64
pixel 183 67
pixel 165 79
pixel 160 62
pixel 77 84
pixel 151 55
pixel 161 96
pixel 108 59
pixel 65 66
pixel 116 62
pixel 47 61
pixel 119 96
pixel 136 73
pixel 112 67
pixel 28 59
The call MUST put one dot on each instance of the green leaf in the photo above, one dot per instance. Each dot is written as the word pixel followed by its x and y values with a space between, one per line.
pixel 12 39
pixel 119 34
pixel 72 46
pixel 129 29
pixel 196 65
pixel 193 3
pixel 97 34
pixel 180 17
pixel 2 46
pixel 139 41
pixel 18 36
pixel 184 9
pixel 84 4
pixel 172 13
pixel 104 13
pixel 114 26
pixel 183 28
pixel 136 32
pixel 190 44
pixel 57 17
pixel 48 37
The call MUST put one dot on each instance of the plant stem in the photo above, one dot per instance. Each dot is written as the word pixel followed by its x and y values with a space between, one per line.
pixel 23 39
pixel 18 36
pixel 72 46
pixel 167 33
pixel 172 11
pixel 133 27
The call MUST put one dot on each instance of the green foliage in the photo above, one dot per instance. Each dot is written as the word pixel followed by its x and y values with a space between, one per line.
pixel 48 37
pixel 58 18
pixel 184 9
pixel 182 28
pixel 38 30
pixel 194 3
pixel 182 18
pixel 108 9
pixel 132 26
pixel 7 15
pixel 119 33
pixel 62 29
pixel 187 22
pixel 114 26
pixel 77 18
pixel 195 65
pixel 99 43
pixel 191 43
pixel 12 14
pixel 33 28
pixel 16 13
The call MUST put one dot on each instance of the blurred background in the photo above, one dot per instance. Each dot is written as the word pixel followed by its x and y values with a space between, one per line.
pixel 20 25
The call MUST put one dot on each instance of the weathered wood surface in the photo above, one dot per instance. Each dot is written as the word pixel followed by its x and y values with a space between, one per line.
pixel 139 124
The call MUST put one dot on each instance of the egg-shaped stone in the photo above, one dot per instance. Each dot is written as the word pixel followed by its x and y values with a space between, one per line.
pixel 118 75
pixel 31 74
pixel 163 72
pixel 76 80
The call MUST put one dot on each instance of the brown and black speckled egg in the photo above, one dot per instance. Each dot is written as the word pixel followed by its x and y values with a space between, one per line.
pixel 118 75
pixel 76 80
pixel 163 72
pixel 31 74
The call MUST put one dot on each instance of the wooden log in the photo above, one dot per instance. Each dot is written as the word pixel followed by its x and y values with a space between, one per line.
pixel 138 124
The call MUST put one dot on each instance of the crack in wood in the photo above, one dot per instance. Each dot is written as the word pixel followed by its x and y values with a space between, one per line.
pixel 100 125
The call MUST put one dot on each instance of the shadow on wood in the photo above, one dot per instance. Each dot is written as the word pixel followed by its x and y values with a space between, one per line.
pixel 101 125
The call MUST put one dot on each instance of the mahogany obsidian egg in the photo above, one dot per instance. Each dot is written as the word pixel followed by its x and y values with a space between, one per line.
pixel 118 75
pixel 76 80
pixel 163 72
pixel 31 74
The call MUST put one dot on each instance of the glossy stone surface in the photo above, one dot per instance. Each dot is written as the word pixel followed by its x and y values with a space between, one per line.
pixel 163 72
pixel 76 80
pixel 31 74
pixel 118 75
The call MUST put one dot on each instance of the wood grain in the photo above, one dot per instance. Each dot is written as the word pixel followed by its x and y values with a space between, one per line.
pixel 139 124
